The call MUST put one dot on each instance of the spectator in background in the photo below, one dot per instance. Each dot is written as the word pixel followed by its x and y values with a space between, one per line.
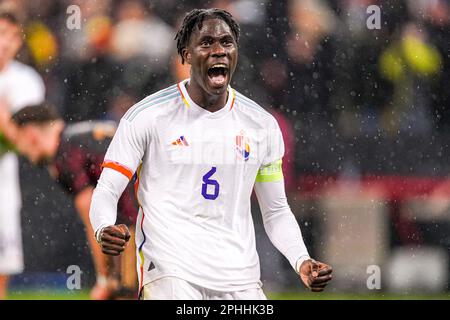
pixel 411 63
pixel 76 44
pixel 360 89
pixel 311 52
pixel 438 26
pixel 311 48
pixel 146 54
pixel 90 79
pixel 151 37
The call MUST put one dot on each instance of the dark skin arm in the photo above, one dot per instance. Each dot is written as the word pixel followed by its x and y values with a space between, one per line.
pixel 113 239
pixel 315 275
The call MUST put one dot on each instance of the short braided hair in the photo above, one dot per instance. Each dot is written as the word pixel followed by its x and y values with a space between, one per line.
pixel 195 18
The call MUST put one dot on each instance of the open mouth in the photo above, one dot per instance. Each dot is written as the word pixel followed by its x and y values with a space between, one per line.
pixel 217 73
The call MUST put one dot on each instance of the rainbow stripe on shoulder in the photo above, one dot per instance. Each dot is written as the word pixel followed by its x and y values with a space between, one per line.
pixel 157 98
pixel 240 98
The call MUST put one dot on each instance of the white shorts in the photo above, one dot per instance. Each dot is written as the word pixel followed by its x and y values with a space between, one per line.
pixel 172 288
pixel 11 255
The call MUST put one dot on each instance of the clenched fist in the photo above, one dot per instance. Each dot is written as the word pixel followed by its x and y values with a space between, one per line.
pixel 315 275
pixel 113 239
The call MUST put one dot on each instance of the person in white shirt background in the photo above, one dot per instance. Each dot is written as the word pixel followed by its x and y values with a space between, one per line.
pixel 198 149
pixel 20 85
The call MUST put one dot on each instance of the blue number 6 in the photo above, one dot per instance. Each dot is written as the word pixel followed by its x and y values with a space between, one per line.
pixel 207 181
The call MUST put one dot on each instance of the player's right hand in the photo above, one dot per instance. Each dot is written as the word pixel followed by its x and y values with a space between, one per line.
pixel 113 239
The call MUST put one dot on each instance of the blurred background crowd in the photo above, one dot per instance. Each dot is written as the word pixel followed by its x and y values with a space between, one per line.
pixel 367 107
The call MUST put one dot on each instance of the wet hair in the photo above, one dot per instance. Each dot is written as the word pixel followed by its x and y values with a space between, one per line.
pixel 195 18
pixel 40 114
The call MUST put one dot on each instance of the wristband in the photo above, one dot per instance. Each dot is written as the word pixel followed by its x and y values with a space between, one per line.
pixel 299 262
pixel 98 235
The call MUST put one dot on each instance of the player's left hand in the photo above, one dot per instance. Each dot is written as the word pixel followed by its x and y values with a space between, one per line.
pixel 315 275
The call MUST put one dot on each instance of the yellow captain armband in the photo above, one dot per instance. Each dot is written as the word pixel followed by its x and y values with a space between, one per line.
pixel 270 173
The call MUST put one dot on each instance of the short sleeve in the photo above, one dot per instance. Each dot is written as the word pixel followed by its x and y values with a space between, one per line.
pixel 126 149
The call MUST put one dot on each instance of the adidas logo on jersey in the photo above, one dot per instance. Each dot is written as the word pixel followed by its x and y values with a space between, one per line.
pixel 181 141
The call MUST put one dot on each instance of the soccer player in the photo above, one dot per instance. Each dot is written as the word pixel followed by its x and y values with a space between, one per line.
pixel 199 148
pixel 20 85
pixel 73 155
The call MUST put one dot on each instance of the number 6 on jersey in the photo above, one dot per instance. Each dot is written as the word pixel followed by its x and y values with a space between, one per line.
pixel 207 181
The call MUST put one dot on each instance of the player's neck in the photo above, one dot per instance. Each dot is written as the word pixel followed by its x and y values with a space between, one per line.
pixel 212 103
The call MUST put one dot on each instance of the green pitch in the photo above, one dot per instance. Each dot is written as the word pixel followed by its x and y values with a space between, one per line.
pixel 48 295
pixel 84 295
pixel 350 296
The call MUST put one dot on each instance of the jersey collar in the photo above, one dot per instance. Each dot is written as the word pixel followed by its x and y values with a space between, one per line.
pixel 192 105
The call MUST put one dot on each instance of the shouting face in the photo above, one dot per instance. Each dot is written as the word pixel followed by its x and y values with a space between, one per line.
pixel 212 54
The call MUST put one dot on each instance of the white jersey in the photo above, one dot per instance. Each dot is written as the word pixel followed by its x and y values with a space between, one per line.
pixel 196 172
pixel 20 86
